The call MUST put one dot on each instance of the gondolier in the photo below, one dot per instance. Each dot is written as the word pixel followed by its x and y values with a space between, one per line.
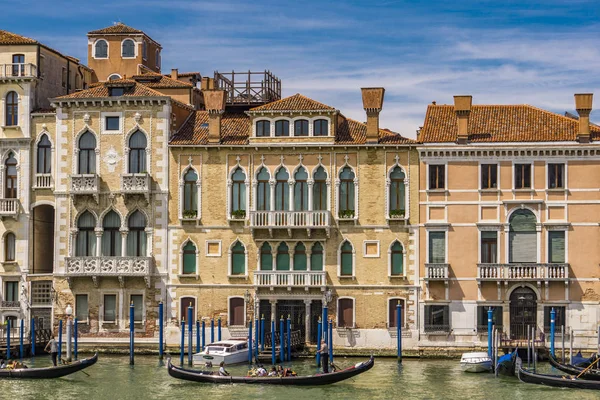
pixel 52 348
pixel 324 351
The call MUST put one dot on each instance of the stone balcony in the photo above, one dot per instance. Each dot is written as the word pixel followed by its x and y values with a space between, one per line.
pixel 10 208
pixel 21 71
pixel 43 181
pixel 85 184
pixel 291 220
pixel 436 271
pixel 104 266
pixel 290 279
pixel 10 305
pixel 523 272
pixel 136 184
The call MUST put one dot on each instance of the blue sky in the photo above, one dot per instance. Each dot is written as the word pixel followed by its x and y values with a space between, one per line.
pixel 534 52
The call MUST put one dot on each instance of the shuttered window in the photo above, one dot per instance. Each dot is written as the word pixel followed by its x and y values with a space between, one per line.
pixel 556 246
pixel 437 318
pixel 489 247
pixel 266 257
pixel 81 308
pixel 283 257
pixel 138 307
pixel 316 257
pixel 346 259
pixel 238 259
pixel 523 237
pixel 189 258
pixel 437 247
pixel 346 313
pixel 110 308
pixel 300 257
pixel 397 258
pixel 236 311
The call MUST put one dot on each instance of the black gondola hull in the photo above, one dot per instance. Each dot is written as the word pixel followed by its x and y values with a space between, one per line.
pixel 49 372
pixel 590 375
pixel 557 380
pixel 314 380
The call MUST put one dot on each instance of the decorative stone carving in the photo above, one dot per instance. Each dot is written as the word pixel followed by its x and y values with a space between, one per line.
pixel 111 159
pixel 137 117
pixel 86 118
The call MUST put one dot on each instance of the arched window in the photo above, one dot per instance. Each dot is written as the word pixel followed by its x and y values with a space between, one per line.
pixel 238 193
pixel 300 257
pixel 12 109
pixel 190 194
pixel 283 257
pixel 87 153
pixel 9 246
pixel 114 77
pixel 320 189
pixel 346 200
pixel 101 47
pixel 321 127
pixel 316 257
pixel 10 188
pixel 144 49
pixel 128 48
pixel 397 193
pixel 282 128
pixel 263 129
pixel 263 190
pixel 346 259
pixel 301 127
pixel 189 258
pixel 136 238
pixel 85 244
pixel 266 257
pixel 137 153
pixel 301 190
pixel 111 238
pixel 282 190
pixel 396 259
pixel 393 312
pixel 238 259
pixel 523 237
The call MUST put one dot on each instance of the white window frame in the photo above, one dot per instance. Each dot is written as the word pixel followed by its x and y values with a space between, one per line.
pixel 271 127
pixel 113 74
pixel 143 321
pixel 445 244
pixel 198 190
pixel 532 172
pixel 230 189
pixel 445 164
pixel 87 321
pixel 229 310
pixel 565 182
pixel 103 129
pixel 479 231
pixel 117 308
pixel 480 172
pixel 388 186
pixel 185 242
pixel 4 260
pixel 404 257
pixel 107 49
pixel 144 49
pixel 338 183
pixel 230 260
pixel 365 243
pixel 135 49
pixel 338 313
pixel 339 257
pixel 209 242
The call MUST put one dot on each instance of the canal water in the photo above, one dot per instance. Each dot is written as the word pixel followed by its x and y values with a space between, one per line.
pixel 113 379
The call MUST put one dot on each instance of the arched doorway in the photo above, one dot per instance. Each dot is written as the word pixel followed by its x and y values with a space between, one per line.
pixel 523 312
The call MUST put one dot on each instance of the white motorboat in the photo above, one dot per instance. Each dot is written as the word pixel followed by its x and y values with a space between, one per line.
pixel 232 351
pixel 476 362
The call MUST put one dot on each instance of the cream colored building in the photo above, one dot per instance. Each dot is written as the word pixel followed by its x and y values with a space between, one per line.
pixel 509 219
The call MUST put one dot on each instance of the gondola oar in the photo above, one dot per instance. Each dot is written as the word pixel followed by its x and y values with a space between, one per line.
pixel 590 366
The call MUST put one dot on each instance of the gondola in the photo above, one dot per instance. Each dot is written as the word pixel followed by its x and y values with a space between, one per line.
pixel 49 372
pixel 507 364
pixel 566 381
pixel 590 374
pixel 313 380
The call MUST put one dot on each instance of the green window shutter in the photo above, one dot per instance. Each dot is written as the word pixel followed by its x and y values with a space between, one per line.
pixel 316 258
pixel 437 247
pixel 189 263
pixel 346 269
pixel 283 257
pixel 556 246
pixel 238 260
pixel 300 258
pixel 523 237
pixel 397 259
pixel 266 262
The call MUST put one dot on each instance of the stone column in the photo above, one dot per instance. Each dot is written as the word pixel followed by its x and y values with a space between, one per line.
pixel 274 257
pixel 124 233
pixel 307 320
pixel 308 255
pixel 98 232
pixel 273 310
pixel 72 248
pixel 291 184
pixel 291 253
pixel 310 183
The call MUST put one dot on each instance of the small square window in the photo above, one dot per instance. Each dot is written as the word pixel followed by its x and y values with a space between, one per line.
pixel 112 124
pixel 117 91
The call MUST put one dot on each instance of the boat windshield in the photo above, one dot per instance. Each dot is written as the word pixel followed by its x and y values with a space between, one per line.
pixel 209 348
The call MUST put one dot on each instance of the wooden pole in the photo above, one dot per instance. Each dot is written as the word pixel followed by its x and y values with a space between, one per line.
pixel 131 332
pixel 198 348
pixel 262 333
pixel 161 327
pixel 534 354
pixel 319 342
pixel 562 333
pixel 60 324
pixel 22 329
pixel 281 340
pixel 528 347
pixel 219 329
pixel 75 336
pixel 250 342
pixel 182 345
pixel 190 318
pixel 8 339
pixel 399 331
pixel 32 337
pixel 273 341
pixel 289 338
pixel 203 334
pixel 571 347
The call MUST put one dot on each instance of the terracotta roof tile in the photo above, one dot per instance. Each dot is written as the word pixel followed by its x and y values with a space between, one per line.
pixel 501 123
pixel 296 102
pixel 235 130
pixel 350 131
pixel 117 28
pixel 7 38
pixel 154 80
pixel 132 89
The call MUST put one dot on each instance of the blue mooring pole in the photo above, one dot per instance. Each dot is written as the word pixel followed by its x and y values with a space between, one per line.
pixel 330 336
pixel 32 337
pixel 75 328
pixel 182 341
pixel 262 333
pixel 552 329
pixel 273 342
pixel 281 340
pixel 161 328
pixel 219 329
pixel 490 327
pixel 203 334
pixel 59 341
pixel 289 338
pixel 21 350
pixel 399 330
pixel 131 332
pixel 190 334
pixel 250 342
pixel 324 324
pixel 8 339
pixel 198 336
pixel 212 330
pixel 256 336
pixel 319 342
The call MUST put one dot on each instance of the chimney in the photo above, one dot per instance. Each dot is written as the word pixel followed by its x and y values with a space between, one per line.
pixel 462 109
pixel 207 83
pixel 372 103
pixel 214 102
pixel 174 74
pixel 583 105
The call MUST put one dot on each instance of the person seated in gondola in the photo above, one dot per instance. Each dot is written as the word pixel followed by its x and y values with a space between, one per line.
pixel 273 372
pixel 261 371
pixel 279 370
pixel 2 363
pixel 288 372
pixel 222 370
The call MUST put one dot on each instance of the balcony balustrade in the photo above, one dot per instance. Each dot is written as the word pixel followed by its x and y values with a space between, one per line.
pixel 85 184
pixel 17 71
pixel 132 184
pixel 104 266
pixel 290 220
pixel 436 271
pixel 290 279
pixel 10 208
pixel 43 181
pixel 10 305
pixel 523 272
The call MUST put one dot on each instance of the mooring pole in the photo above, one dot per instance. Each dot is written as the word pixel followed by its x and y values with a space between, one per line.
pixel 281 340
pixel 562 334
pixel 571 347
pixel 7 340
pixel 528 347
pixel 161 327
pixel 203 334
pixel 289 338
pixel 330 336
pixel 75 335
pixel 198 336
pixel 552 327
pixel 256 336
pixel 219 329
pixel 250 342
pixel 598 350
pixel 533 332
pixel 32 337
pixel 60 324
pixel 262 333
pixel 273 341
pixel 399 331
pixel 319 342
pixel 190 332
pixel 182 341
pixel 490 314
pixel 324 324
pixel 21 330
pixel 131 332
pixel 212 330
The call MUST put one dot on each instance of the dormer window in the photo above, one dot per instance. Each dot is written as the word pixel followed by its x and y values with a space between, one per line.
pixel 128 48
pixel 116 91
pixel 282 128
pixel 263 129
pixel 321 128
pixel 301 127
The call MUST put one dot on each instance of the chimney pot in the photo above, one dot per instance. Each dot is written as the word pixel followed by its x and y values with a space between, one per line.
pixel 214 102
pixel 583 105
pixel 462 109
pixel 373 103
pixel 175 73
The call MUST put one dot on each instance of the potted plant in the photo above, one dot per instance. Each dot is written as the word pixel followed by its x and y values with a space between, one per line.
pixel 397 214
pixel 189 214
pixel 346 214
pixel 238 214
